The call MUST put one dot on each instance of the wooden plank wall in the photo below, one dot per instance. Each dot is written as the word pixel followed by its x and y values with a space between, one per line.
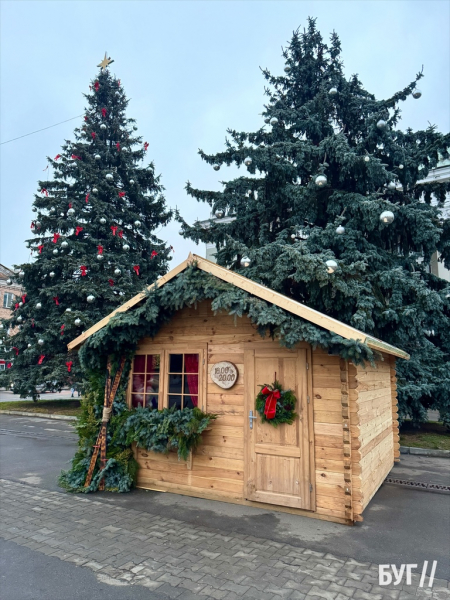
pixel 372 428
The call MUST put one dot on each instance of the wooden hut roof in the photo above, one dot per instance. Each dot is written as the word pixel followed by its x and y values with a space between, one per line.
pixel 292 306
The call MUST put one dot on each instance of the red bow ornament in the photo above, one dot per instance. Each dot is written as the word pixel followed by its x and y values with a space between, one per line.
pixel 100 249
pixel 16 350
pixel 70 204
pixel 56 237
pixel 121 234
pixel 40 248
pixel 57 156
pixel 270 408
pixel 62 329
pixel 136 269
pixel 118 83
pixel 78 230
pixel 87 198
pixel 75 157
pixel 9 365
pixel 44 191
pixel 145 146
pixel 153 254
pixel 83 270
pixel 24 297
pixel 111 282
pixel 69 366
pixel 122 194
pixel 96 86
pixel 41 359
pixel 118 146
pixel 93 134
pixel 32 322
pixel 55 298
pixel 85 118
pixel 16 305
pixel 103 112
pixel 32 225
pixel 114 228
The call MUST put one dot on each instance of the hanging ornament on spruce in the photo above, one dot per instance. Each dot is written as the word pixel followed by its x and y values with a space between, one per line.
pixel 387 217
pixel 51 274
pixel 52 209
pixel 331 266
pixel 90 298
pixel 248 161
pixel 102 126
pixel 340 230
pixel 381 124
pixel 287 69
pixel 9 281
pixel 78 230
pixel 245 261
pixel 126 247
pixel 117 271
pixel 367 158
pixel 99 256
pixel 21 274
pixel 68 310
pixel 29 345
pixel 34 209
pixel 273 121
pixel 55 251
pixel 77 321
pixel 40 342
pixel 131 180
pixel 333 91
pixel 391 185
pixel 20 319
pixel 20 303
pixel 219 213
pixel 109 176
pixel 137 223
pixel 416 93
pixel 37 223
pixel 216 167
pixel 400 166
pixel 95 190
pixel 38 305
pixel 103 220
pixel 320 180
pixel 71 211
pixel 64 244
pixel 97 157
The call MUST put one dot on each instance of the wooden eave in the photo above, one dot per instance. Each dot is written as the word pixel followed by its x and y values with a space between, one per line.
pixel 296 308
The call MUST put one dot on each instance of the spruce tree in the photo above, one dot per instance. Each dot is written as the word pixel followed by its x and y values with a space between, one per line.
pixel 332 211
pixel 94 240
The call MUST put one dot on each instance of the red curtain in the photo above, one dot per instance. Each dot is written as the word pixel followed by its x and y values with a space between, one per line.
pixel 191 370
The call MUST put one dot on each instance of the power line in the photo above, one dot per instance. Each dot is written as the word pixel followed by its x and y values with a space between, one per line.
pixel 38 130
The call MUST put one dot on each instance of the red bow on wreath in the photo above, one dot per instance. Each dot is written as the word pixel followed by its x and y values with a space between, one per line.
pixel 118 146
pixel 24 297
pixel 271 402
pixel 120 234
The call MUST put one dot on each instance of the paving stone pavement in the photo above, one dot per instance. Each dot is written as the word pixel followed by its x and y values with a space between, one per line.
pixel 129 547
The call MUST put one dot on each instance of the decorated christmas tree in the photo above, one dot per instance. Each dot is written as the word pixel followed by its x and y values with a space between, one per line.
pixel 93 238
pixel 332 210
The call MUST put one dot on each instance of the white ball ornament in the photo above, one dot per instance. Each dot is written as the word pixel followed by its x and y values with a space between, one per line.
pixel 97 157
pixel 320 180
pixel 21 274
pixel 340 230
pixel 367 158
pixel 95 190
pixel 68 310
pixel 333 91
pixel 37 223
pixel 416 93
pixel 109 176
pixel 102 126
pixel 51 274
pixel 40 342
pixel 391 185
pixel 117 93
pixel 387 216
pixel 126 247
pixel 137 223
pixel 90 298
pixel 400 166
pixel 219 213
pixel 248 161
pixel 52 209
pixel 19 319
pixel 381 124
pixel 99 256
pixel 20 303
pixel 9 281
pixel 77 321
pixel 131 180
pixel 273 121
pixel 71 211
pixel 245 261
pixel 331 266
pixel 64 244
pixel 55 251
pixel 117 271
pixel 103 220
pixel 29 345
pixel 38 305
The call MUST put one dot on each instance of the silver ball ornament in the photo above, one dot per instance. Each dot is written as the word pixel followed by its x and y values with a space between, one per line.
pixel 97 157
pixel 21 274
pixel 333 91
pixel 400 166
pixel 77 321
pixel 102 126
pixel 99 256
pixel 131 180
pixel 68 310
pixel 117 271
pixel 19 319
pixel 95 190
pixel 51 274
pixel 109 176
pixel 64 244
pixel 387 216
pixel 391 185
pixel 381 124
pixel 216 167
pixel 273 121
pixel 367 158
pixel 416 93
pixel 320 180
pixel 90 298
pixel 103 220
pixel 340 230
pixel 9 281
pixel 55 251
pixel 40 342
pixel 287 69
pixel 248 161
pixel 20 303
pixel 34 209
pixel 71 211
pixel 331 266
pixel 29 345
pixel 37 223
pixel 137 223
pixel 52 209
pixel 117 93
pixel 38 305
pixel 245 261
pixel 126 247
pixel 219 213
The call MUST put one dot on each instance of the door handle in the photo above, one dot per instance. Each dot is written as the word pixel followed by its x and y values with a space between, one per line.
pixel 251 418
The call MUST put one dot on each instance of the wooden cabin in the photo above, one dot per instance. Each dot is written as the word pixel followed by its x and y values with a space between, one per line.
pixel 327 465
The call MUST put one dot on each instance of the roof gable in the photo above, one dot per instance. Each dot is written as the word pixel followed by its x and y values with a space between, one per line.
pixel 263 292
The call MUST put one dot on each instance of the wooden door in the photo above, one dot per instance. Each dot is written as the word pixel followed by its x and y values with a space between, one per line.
pixel 278 458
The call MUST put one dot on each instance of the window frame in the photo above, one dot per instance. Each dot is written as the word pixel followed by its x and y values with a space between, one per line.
pixel 164 351
pixel 8 296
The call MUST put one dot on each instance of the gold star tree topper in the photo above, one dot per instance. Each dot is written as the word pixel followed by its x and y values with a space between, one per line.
pixel 105 62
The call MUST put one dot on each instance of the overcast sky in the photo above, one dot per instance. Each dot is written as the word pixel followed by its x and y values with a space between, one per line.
pixel 191 70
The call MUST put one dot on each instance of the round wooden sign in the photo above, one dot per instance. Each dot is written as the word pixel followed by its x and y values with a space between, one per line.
pixel 224 374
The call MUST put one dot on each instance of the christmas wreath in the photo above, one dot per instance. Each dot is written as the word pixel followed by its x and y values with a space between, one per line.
pixel 276 405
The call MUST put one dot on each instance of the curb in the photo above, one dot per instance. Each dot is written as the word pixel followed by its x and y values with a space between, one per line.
pixel 23 413
pixel 423 451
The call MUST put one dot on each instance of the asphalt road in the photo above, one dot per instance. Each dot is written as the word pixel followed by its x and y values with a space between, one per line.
pixel 401 525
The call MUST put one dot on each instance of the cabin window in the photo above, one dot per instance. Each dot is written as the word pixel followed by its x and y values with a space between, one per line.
pixel 183 376
pixel 145 380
